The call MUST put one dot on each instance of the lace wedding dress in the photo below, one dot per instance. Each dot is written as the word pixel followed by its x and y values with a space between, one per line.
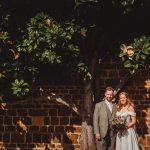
pixel 128 139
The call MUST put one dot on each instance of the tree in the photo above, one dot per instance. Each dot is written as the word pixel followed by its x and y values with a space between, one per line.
pixel 86 35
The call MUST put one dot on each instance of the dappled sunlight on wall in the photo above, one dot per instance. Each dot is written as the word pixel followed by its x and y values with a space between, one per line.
pixel 147 86
pixel 41 123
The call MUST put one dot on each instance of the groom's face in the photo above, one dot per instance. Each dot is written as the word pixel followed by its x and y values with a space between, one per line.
pixel 109 95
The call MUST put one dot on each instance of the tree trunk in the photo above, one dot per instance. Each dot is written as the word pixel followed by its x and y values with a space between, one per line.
pixel 87 137
pixel 87 134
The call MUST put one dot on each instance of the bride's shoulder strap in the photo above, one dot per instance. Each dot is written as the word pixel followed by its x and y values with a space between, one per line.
pixel 132 111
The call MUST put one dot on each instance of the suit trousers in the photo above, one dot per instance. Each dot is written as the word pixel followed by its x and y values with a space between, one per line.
pixel 107 143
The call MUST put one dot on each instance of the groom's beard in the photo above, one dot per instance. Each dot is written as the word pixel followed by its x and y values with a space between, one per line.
pixel 109 100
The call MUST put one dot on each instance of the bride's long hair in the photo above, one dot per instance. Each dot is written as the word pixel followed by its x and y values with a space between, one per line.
pixel 129 101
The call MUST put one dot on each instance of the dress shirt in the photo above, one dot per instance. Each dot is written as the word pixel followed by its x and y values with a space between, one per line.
pixel 109 104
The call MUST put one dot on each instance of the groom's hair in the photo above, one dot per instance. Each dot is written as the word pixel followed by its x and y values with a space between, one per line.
pixel 109 88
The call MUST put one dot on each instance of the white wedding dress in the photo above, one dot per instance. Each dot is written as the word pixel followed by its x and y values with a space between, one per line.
pixel 128 139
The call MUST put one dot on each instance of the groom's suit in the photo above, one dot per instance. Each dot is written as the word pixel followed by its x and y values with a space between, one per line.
pixel 102 123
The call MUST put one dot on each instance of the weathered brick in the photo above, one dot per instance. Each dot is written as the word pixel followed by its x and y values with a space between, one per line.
pixel 10 146
pixel 64 120
pixel 30 146
pixel 64 112
pixel 18 137
pixel 37 137
pixel 10 128
pixel 51 129
pixel 47 120
pixel 43 129
pixel 2 129
pixel 22 112
pixel 112 81
pixel 38 112
pixel 21 146
pixel 27 120
pixel 56 138
pixel 75 120
pixel 34 128
pixel 64 91
pixel 6 137
pixel 69 129
pixel 1 120
pixel 47 106
pixel 59 129
pixel 15 120
pixel 2 112
pixel 29 138
pixel 77 97
pixel 46 138
pixel 54 121
pixel 37 120
pixel 53 112
pixel 8 120
pixel 11 112
pixel 32 106
pixel 74 92
pixel 18 106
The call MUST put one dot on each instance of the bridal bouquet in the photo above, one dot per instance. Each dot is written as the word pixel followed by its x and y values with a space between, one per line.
pixel 119 124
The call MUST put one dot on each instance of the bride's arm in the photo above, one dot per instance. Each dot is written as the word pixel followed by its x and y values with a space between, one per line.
pixel 133 117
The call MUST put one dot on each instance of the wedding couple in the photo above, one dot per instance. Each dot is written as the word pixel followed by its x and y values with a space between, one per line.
pixel 105 111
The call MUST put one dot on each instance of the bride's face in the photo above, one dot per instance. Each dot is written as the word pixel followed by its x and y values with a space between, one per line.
pixel 123 99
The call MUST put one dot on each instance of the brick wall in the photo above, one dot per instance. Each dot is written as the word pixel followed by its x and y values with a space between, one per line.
pixel 38 124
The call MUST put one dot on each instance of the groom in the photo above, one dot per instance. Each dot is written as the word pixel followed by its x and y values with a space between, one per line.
pixel 102 120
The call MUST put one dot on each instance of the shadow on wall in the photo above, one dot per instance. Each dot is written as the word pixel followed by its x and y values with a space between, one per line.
pixel 27 127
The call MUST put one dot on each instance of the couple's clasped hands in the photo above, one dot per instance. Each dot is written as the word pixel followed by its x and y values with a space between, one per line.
pixel 98 137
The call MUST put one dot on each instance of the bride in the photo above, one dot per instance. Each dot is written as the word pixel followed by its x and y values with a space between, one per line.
pixel 127 140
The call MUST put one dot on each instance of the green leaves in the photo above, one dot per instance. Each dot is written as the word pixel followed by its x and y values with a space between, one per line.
pixel 45 37
pixel 79 2
pixel 82 67
pixel 51 56
pixel 4 36
pixel 135 55
pixel 44 41
pixel 20 87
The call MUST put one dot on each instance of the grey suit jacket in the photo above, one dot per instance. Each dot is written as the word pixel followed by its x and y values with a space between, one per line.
pixel 101 118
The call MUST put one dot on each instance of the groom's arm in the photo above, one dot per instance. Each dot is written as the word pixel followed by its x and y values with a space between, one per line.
pixel 96 122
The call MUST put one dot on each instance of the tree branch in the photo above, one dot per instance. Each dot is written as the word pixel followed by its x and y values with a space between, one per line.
pixel 67 103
